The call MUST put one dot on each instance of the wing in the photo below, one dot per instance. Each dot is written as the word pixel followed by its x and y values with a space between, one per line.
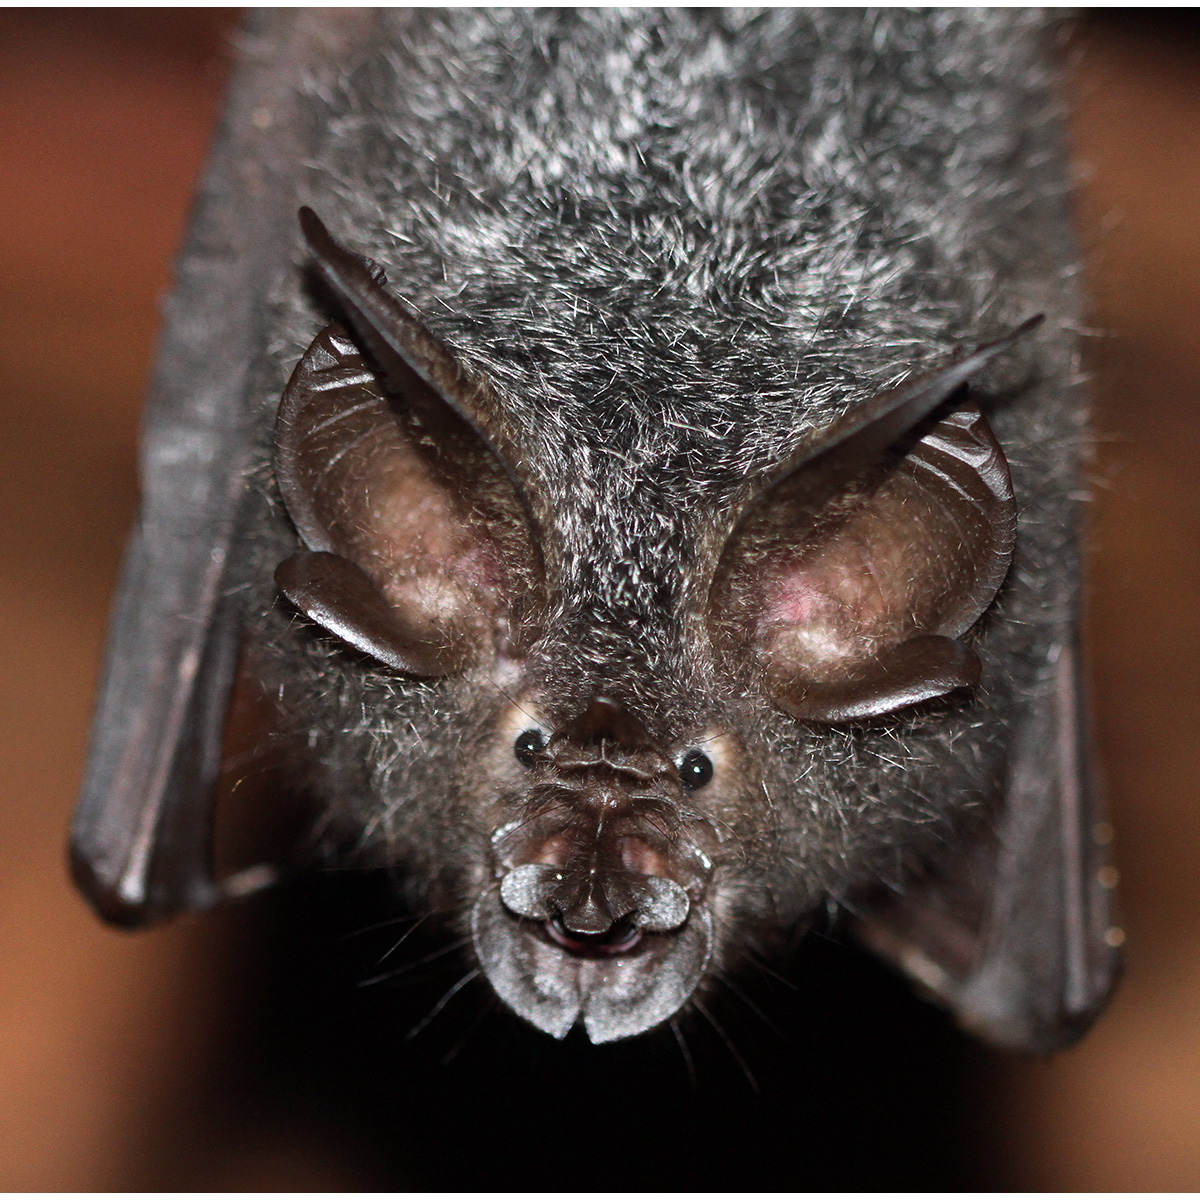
pixel 1017 937
pixel 142 833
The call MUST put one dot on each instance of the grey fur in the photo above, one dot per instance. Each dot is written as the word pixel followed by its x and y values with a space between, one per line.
pixel 676 243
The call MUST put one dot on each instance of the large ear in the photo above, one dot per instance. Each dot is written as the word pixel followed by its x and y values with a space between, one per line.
pixel 421 548
pixel 854 571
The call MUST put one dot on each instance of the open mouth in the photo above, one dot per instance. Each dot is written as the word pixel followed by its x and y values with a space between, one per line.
pixel 620 938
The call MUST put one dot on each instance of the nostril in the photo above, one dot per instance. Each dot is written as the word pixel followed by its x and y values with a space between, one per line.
pixel 618 938
pixel 624 935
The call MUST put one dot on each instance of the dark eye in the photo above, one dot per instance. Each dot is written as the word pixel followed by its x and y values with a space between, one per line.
pixel 529 745
pixel 695 769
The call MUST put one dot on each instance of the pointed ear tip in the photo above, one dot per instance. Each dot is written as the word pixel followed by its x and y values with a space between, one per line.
pixel 315 232
pixel 1026 326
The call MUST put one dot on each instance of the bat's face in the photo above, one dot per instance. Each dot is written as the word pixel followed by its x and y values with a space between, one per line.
pixel 612 817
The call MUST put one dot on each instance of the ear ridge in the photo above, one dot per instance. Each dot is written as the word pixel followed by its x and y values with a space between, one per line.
pixel 419 538
pixel 856 442
pixel 919 669
pixel 961 453
pixel 329 407
pixel 343 598
pixel 403 347
pixel 386 544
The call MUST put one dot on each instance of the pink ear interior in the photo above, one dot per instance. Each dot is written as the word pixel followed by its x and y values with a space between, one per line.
pixel 397 516
pixel 855 608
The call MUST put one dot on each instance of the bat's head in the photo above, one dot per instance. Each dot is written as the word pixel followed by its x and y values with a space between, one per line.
pixel 606 795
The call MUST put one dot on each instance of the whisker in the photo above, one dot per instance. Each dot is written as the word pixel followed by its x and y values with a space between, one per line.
pixel 770 971
pixel 484 1010
pixel 400 941
pixel 420 962
pixel 437 1008
pixel 826 935
pixel 720 977
pixel 354 933
pixel 684 1051
pixel 515 703
pixel 733 1050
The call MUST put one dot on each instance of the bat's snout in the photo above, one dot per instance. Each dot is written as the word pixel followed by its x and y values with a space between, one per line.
pixel 598 910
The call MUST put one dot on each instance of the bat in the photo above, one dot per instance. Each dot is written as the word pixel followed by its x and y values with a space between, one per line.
pixel 650 491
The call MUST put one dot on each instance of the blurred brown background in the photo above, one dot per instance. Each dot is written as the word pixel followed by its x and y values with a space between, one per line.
pixel 105 1039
